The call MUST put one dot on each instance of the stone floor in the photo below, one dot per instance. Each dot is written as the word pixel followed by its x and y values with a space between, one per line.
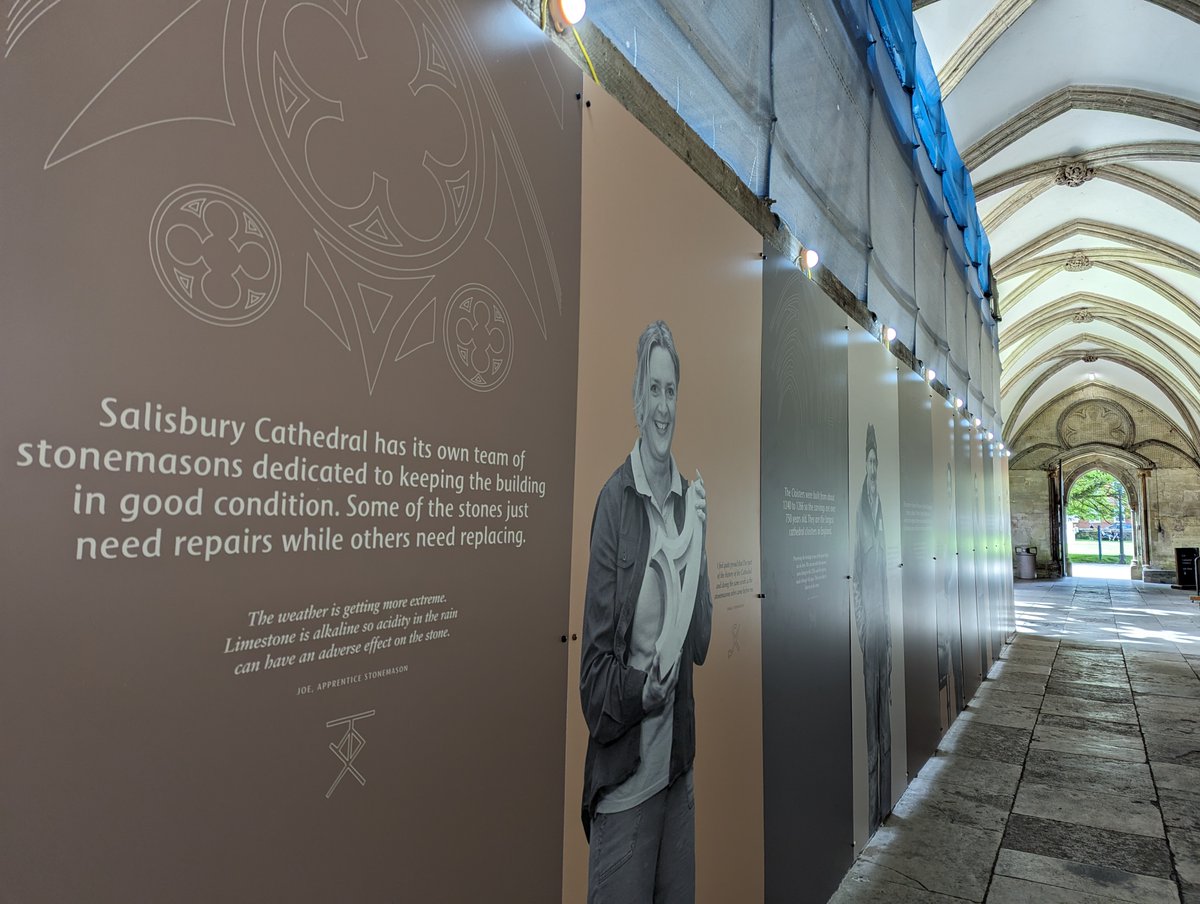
pixel 1073 777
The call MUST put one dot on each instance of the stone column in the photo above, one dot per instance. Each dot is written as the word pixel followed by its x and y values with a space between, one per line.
pixel 1054 488
pixel 1143 476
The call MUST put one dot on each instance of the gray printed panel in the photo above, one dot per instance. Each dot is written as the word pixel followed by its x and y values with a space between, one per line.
pixel 917 551
pixel 807 774
pixel 971 620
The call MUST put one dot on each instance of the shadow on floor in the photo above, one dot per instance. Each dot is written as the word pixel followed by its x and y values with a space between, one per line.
pixel 1073 776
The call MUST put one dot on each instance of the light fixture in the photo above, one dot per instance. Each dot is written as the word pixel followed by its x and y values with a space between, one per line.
pixel 978 422
pixel 567 12
pixel 990 436
pixel 1000 446
pixel 810 258
pixel 1092 375
pixel 957 402
pixel 889 334
pixel 931 375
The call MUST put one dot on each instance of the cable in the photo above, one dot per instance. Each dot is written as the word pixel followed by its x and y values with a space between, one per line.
pixel 579 41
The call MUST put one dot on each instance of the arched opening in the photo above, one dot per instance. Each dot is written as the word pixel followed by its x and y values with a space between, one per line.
pixel 1100 526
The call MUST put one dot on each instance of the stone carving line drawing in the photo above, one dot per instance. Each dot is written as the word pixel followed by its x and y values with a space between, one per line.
pixel 333 104
pixel 215 255
pixel 21 16
pixel 348 748
pixel 479 338
pixel 378 306
pixel 70 143
pixel 361 230
pixel 299 124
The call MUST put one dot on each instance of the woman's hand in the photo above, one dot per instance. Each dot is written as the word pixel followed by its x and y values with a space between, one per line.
pixel 656 690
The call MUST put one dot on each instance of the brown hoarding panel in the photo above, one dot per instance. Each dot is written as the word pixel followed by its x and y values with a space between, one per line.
pixel 288 380
pixel 659 244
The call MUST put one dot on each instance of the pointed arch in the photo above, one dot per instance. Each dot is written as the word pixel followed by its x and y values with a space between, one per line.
pixel 1132 152
pixel 1123 395
pixel 1135 362
pixel 1150 248
pixel 1145 183
pixel 1103 98
pixel 1098 307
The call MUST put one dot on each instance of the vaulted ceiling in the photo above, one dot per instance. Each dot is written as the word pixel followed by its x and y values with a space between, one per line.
pixel 1080 123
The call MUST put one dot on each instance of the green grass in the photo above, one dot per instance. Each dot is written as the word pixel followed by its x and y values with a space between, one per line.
pixel 1084 551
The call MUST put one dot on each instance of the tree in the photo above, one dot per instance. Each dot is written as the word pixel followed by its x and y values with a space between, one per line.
pixel 1093 496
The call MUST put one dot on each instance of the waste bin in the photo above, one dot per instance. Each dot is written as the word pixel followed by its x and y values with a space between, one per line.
pixel 1027 562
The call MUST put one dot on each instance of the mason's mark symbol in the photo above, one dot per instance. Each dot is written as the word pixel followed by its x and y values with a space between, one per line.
pixel 349 747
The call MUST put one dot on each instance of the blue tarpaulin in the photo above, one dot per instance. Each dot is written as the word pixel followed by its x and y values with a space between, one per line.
pixel 910 58
pixel 896 30
pixel 927 106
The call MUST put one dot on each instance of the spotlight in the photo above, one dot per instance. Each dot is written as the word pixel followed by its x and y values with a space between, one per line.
pixel 931 375
pixel 1092 376
pixel 568 12
pixel 957 402
pixel 890 334
pixel 978 422
pixel 990 436
pixel 1000 446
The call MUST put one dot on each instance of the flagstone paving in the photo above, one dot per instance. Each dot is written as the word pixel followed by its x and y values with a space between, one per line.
pixel 1073 776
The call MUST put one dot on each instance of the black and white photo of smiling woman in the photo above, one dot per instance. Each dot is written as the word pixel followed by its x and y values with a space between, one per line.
pixel 647 622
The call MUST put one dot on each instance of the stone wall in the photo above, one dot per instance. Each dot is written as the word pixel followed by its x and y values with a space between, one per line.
pixel 1103 426
pixel 1179 512
pixel 1030 512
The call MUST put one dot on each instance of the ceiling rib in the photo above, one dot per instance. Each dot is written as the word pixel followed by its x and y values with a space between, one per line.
pixel 1084 307
pixel 1133 101
pixel 1152 342
pixel 1123 394
pixel 1103 346
pixel 979 41
pixel 1014 202
pixel 1189 9
pixel 1136 363
pixel 1110 272
pixel 1022 259
pixel 1148 280
pixel 1160 189
pixel 1158 151
pixel 1079 259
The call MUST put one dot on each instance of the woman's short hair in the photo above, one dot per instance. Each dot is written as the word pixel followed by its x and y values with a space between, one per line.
pixel 656 334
